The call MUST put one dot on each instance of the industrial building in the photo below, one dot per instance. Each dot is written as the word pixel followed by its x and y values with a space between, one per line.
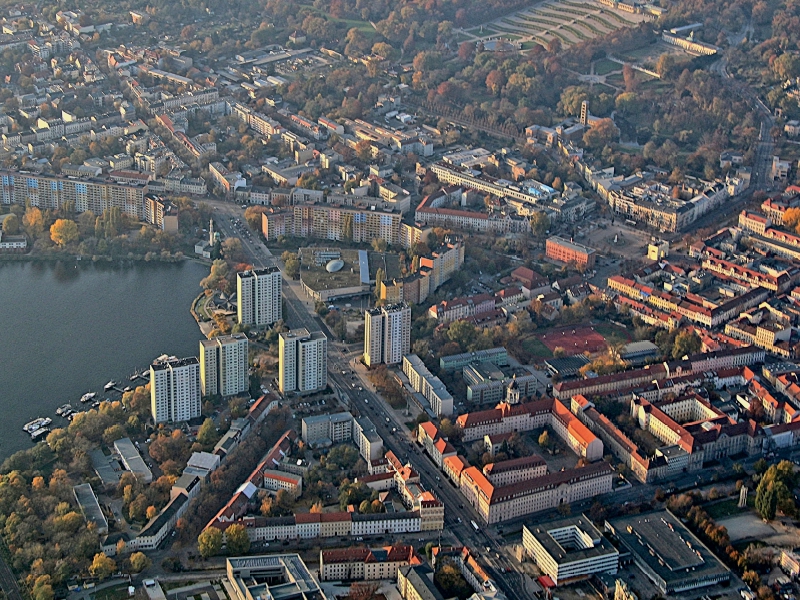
pixel 670 555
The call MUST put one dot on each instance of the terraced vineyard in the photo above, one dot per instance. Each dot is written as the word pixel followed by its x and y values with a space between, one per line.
pixel 567 20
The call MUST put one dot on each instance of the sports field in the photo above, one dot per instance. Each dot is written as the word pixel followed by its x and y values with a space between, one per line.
pixel 574 340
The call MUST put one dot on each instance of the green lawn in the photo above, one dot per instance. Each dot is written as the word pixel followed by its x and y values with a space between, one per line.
pixel 535 347
pixel 605 66
pixel 119 592
pixel 726 508
pixel 529 45
pixel 610 330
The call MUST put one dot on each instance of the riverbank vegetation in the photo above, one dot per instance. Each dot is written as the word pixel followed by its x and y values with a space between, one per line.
pixel 112 235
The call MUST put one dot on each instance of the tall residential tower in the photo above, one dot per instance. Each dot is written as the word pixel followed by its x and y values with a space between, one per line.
pixel 303 361
pixel 174 389
pixel 387 334
pixel 223 365
pixel 259 296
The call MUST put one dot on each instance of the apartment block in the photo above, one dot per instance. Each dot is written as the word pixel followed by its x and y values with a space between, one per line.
pixel 365 564
pixel 223 365
pixel 160 212
pixel 365 436
pixel 50 191
pixel 260 301
pixel 174 389
pixel 567 251
pixel 387 334
pixel 323 430
pixel 303 361
pixel 427 384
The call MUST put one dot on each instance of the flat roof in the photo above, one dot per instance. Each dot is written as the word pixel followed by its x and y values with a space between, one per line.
pixel 666 547
pixel 279 576
pixel 589 543
pixel 131 458
pixel 102 466
pixel 89 505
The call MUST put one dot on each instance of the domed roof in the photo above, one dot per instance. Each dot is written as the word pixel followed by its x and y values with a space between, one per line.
pixel 334 265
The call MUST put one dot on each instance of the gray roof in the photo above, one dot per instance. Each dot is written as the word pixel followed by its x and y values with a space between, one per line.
pixel 164 516
pixel 561 554
pixel 665 547
pixel 90 507
pixel 418 579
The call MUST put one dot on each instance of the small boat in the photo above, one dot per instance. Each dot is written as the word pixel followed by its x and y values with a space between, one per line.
pixel 36 424
pixel 86 397
pixel 127 389
pixel 110 385
pixel 40 434
pixel 71 416
pixel 63 409
pixel 134 377
pixel 68 413
pixel 96 404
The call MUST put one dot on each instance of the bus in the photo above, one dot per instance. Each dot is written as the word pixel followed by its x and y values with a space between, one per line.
pixel 475 525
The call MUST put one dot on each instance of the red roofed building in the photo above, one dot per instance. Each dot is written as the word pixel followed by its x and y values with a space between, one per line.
pixel 365 564
pixel 507 418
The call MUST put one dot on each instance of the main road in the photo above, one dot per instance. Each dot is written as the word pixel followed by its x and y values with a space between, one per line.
pixel 349 377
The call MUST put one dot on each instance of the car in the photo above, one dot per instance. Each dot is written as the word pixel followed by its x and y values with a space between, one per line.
pixel 387 419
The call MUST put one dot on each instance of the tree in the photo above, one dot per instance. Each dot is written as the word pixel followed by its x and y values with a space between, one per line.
pixel 33 221
pixel 602 133
pixel 209 542
pixel 292 268
pixel 379 244
pixel 686 343
pixel 664 65
pixel 64 231
pixel 102 566
pixel 316 508
pixel 791 218
pixel 11 224
pixel 544 439
pixel 540 223
pixel 139 562
pixel 207 435
pixel 466 51
pixel 237 541
pixel 43 589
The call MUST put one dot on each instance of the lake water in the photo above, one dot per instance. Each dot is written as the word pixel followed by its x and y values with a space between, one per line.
pixel 66 330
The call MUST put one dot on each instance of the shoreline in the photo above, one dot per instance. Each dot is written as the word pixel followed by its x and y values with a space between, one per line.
pixel 94 259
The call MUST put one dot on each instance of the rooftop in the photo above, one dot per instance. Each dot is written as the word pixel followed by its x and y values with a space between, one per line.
pixel 667 548
pixel 571 539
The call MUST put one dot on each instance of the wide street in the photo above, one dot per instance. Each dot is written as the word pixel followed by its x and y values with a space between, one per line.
pixel 349 376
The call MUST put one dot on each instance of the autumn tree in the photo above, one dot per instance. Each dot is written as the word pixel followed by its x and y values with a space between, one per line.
pixel 102 566
pixel 139 562
pixel 63 232
pixel 11 224
pixel 237 541
pixel 209 542
pixel 33 221
pixel 207 435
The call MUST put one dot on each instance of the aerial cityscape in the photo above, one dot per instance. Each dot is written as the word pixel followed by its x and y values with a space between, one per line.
pixel 351 300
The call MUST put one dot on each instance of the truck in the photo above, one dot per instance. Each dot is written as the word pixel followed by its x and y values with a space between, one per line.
pixel 475 526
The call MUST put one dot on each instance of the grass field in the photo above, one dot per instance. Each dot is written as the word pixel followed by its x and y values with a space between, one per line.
pixel 535 347
pixel 723 509
pixel 605 66
pixel 119 592
pixel 608 330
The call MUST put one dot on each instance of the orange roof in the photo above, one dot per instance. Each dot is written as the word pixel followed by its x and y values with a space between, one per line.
pixel 430 429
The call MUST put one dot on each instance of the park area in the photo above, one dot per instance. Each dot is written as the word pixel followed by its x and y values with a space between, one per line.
pixel 569 22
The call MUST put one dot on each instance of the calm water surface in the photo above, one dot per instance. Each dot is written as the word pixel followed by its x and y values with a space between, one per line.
pixel 66 330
